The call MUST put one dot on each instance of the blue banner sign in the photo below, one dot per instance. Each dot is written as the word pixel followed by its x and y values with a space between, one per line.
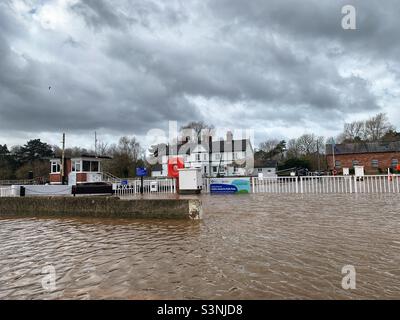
pixel 230 185
pixel 141 172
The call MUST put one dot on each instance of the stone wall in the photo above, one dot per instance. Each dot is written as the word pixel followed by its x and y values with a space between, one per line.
pixel 101 207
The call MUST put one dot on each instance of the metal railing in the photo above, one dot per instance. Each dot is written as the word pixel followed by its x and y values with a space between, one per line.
pixel 153 186
pixel 108 177
pixel 18 182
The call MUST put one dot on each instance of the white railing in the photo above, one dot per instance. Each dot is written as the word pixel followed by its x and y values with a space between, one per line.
pixel 328 184
pixel 7 192
pixel 322 184
pixel 156 186
pixel 108 177
pixel 275 185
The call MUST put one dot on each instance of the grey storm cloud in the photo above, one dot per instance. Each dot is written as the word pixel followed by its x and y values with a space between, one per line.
pixel 129 66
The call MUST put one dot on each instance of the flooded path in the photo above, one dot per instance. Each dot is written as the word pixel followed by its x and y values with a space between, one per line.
pixel 259 246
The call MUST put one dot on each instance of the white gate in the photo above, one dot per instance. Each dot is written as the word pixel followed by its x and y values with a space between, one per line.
pixel 132 187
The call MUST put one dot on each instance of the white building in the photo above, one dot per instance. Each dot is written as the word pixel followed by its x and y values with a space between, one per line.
pixel 266 168
pixel 228 157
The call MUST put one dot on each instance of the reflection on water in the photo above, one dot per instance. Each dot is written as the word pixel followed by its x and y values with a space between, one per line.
pixel 257 246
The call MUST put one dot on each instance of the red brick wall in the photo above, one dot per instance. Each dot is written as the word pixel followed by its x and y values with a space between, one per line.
pixel 81 177
pixel 365 159
pixel 55 178
pixel 68 167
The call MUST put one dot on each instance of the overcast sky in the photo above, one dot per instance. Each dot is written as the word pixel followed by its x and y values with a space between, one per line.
pixel 280 67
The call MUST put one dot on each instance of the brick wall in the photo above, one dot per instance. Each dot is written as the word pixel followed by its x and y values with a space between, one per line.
pixel 365 159
pixel 81 177
pixel 55 178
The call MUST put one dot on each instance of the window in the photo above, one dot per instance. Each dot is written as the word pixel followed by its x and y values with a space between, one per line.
pixel 55 167
pixel 205 169
pixel 338 164
pixel 375 163
pixel 235 169
pixel 86 166
pixel 197 156
pixel 214 169
pixel 233 155
pixel 76 166
pixel 217 156
pixel 395 163
pixel 205 156
pixel 94 166
pixel 355 163
pixel 259 169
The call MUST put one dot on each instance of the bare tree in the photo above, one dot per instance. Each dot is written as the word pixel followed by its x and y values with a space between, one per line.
pixel 373 129
pixel 293 149
pixel 377 126
pixel 353 131
pixel 195 129
pixel 307 144
pixel 269 145
pixel 125 157
pixel 102 148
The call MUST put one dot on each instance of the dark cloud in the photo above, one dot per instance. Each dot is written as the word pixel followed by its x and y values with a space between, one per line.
pixel 128 66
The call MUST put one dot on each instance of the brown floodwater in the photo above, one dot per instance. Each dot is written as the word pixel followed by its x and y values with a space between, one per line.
pixel 259 246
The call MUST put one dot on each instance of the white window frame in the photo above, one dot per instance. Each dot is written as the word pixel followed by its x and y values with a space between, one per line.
pixel 76 163
pixel 58 166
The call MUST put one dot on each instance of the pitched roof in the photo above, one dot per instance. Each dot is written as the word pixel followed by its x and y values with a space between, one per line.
pixel 364 147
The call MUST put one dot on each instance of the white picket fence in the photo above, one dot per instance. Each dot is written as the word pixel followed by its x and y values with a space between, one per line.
pixel 328 184
pixel 156 186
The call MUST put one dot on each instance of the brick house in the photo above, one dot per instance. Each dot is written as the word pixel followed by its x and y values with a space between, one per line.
pixel 376 157
pixel 84 169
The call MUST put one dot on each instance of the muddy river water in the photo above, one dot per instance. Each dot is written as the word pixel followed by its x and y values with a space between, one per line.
pixel 259 246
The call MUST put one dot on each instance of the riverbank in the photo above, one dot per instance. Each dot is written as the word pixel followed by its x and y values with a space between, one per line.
pixel 101 207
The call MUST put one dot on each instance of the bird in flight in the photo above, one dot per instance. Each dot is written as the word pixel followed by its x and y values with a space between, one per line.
pixel 49 87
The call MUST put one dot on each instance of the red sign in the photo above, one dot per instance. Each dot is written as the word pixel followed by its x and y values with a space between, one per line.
pixel 398 167
pixel 173 165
